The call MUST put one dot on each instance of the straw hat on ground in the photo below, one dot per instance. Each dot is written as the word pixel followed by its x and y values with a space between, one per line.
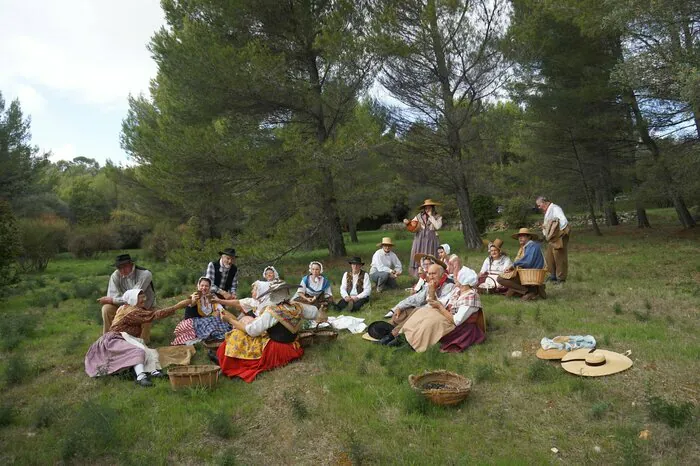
pixel 386 241
pixel 553 353
pixel 526 231
pixel 595 363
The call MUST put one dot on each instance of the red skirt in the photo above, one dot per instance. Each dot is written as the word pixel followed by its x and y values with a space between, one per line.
pixel 274 355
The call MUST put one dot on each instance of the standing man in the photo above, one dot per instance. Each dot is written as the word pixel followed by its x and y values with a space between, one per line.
pixel 556 232
pixel 127 276
pixel 386 266
pixel 223 274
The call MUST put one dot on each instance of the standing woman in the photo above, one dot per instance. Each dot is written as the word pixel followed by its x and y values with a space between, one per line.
pixel 426 239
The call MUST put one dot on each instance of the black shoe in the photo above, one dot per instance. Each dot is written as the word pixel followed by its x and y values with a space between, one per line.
pixel 158 375
pixel 385 340
pixel 213 357
pixel 145 382
pixel 396 342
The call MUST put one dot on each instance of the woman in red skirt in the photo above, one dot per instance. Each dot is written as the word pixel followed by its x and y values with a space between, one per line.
pixel 267 342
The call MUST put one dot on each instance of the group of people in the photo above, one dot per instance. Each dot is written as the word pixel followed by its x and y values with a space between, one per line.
pixel 444 306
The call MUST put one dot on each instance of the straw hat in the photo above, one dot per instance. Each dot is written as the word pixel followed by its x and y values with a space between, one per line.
pixel 554 353
pixel 526 231
pixel 428 202
pixel 595 363
pixel 418 258
pixel 278 291
pixel 497 243
pixel 386 240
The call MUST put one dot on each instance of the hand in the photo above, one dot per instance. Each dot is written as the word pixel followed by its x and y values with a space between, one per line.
pixel 225 294
pixel 215 300
pixel 348 299
pixel 225 315
pixel 105 300
pixel 233 296
pixel 354 298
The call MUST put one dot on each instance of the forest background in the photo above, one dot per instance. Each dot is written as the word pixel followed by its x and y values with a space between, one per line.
pixel 273 126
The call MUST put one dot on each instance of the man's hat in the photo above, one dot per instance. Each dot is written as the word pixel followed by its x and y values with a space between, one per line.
pixel 378 330
pixel 386 240
pixel 356 260
pixel 228 252
pixel 526 231
pixel 123 259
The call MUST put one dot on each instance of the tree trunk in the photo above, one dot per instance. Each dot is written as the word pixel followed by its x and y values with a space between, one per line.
pixel 686 219
pixel 352 228
pixel 334 230
pixel 611 219
pixel 471 235
pixel 589 198
pixel 642 219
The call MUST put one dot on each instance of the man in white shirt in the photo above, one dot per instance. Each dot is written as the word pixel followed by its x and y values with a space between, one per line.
pixel 556 232
pixel 354 288
pixel 386 266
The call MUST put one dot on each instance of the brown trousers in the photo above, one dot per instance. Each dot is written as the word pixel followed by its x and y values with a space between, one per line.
pixel 108 313
pixel 558 259
pixel 514 284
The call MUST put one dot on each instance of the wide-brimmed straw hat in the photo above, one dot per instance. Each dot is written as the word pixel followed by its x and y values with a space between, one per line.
pixel 497 243
pixel 278 291
pixel 526 231
pixel 428 202
pixel 554 353
pixel 386 240
pixel 595 363
pixel 418 258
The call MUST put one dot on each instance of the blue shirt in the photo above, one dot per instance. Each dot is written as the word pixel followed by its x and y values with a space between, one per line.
pixel 532 259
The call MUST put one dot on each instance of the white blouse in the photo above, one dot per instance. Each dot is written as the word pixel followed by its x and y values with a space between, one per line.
pixel 267 320
pixel 498 266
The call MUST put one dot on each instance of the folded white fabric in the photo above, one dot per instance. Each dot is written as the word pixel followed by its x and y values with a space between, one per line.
pixel 354 324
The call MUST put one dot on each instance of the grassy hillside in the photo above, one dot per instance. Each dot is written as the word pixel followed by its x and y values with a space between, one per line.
pixel 349 402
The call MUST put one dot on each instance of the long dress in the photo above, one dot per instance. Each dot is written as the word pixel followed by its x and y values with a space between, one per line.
pixel 200 324
pixel 471 331
pixel 426 240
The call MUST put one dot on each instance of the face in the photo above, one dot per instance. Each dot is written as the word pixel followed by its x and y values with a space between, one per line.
pixel 269 275
pixel 435 274
pixel 125 269
pixel 228 261
pixel 141 300
pixel 355 268
pixel 426 264
pixel 315 270
pixel 542 206
pixel 441 252
pixel 495 252
pixel 428 209
pixel 386 248
pixel 523 239
pixel 454 265
pixel 203 286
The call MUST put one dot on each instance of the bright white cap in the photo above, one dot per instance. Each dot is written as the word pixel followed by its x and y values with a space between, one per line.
pixel 446 247
pixel 467 276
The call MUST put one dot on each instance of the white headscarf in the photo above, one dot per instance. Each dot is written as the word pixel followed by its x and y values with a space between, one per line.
pixel 132 296
pixel 315 263
pixel 277 275
pixel 447 248
pixel 467 276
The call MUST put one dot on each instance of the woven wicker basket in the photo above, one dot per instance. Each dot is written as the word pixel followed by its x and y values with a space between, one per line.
pixel 193 376
pixel 325 335
pixel 532 276
pixel 306 338
pixel 456 388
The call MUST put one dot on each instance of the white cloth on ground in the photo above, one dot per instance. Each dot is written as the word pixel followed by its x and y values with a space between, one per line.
pixel 152 361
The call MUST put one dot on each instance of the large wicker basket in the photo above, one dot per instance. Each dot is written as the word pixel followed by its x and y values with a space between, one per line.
pixel 306 338
pixel 193 376
pixel 441 387
pixel 532 276
pixel 325 335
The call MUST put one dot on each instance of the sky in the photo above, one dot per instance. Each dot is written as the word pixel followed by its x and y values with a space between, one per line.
pixel 72 64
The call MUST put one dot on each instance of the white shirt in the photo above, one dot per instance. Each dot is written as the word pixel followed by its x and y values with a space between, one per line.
pixel 498 266
pixel 366 286
pixel 554 212
pixel 267 320
pixel 385 262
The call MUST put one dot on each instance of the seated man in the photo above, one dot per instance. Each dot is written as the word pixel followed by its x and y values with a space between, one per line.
pixel 454 264
pixel 127 276
pixel 439 287
pixel 355 287
pixel 529 257
pixel 223 274
pixel 385 267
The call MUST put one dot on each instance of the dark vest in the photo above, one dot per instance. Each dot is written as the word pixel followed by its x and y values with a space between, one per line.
pixel 281 334
pixel 229 278
pixel 152 286
pixel 360 282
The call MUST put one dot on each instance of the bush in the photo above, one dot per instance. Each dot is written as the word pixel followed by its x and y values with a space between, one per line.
pixel 9 244
pixel 16 328
pixel 163 239
pixel 92 432
pixel 129 228
pixel 485 210
pixel 41 240
pixel 516 211
pixel 674 415
pixel 87 241
pixel 17 370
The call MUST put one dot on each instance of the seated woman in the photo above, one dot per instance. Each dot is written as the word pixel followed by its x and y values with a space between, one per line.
pixel 494 265
pixel 269 341
pixel 314 288
pixel 253 304
pixel 465 308
pixel 425 260
pixel 202 320
pixel 443 252
pixel 529 257
pixel 120 348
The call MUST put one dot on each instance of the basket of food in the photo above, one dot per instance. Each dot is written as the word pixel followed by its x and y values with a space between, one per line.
pixel 412 226
pixel 325 335
pixel 306 338
pixel 441 387
pixel 532 276
pixel 204 376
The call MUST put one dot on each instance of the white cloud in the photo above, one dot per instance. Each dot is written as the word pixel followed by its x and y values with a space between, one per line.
pixel 65 152
pixel 31 101
pixel 95 50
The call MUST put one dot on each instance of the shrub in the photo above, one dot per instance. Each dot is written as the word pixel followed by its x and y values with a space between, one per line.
pixel 163 239
pixel 9 244
pixel 87 241
pixel 675 415
pixel 17 370
pixel 85 289
pixel 7 414
pixel 516 211
pixel 485 210
pixel 16 328
pixel 129 228
pixel 92 432
pixel 41 240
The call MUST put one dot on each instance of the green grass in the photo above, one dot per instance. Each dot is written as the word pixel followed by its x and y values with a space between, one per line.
pixel 349 402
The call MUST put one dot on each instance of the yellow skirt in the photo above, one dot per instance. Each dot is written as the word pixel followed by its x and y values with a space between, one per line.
pixel 242 346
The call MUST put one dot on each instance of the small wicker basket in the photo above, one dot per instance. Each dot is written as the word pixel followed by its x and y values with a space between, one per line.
pixel 532 276
pixel 325 335
pixel 306 338
pixel 204 376
pixel 441 387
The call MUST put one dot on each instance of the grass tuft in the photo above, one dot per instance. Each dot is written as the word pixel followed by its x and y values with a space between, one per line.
pixel 45 415
pixel 221 425
pixel 617 308
pixel 7 414
pixel 92 432
pixel 541 371
pixel 674 415
pixel 599 409
pixel 484 372
pixel 299 409
pixel 16 328
pixel 518 317
pixel 642 316
pixel 17 370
